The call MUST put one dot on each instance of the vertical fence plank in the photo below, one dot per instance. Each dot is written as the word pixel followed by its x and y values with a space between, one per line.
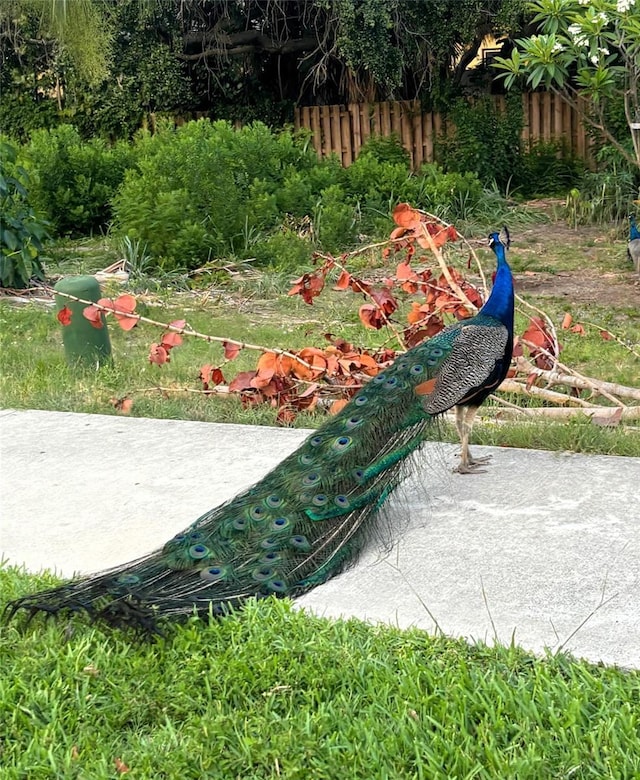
pixel 354 113
pixel 336 141
pixel 546 116
pixel 375 119
pixel 534 124
pixel 325 123
pixel 418 136
pixel 385 119
pixel 346 141
pixel 557 128
pixel 407 135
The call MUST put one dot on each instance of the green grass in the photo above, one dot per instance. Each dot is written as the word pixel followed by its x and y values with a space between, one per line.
pixel 274 693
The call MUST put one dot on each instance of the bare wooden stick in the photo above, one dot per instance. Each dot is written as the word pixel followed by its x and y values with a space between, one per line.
pixel 559 412
pixel 512 386
pixel 184 331
pixel 574 379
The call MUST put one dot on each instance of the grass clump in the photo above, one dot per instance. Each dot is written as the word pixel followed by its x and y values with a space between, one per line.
pixel 272 692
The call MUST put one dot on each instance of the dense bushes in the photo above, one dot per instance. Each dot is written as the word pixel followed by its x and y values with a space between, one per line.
pixel 73 181
pixel 487 141
pixel 206 191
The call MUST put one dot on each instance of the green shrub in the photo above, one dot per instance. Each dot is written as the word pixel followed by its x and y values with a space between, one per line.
pixel 205 189
pixel 485 140
pixel 73 181
pixel 546 169
pixel 335 220
pixel 387 149
pixel 602 197
pixel 21 231
pixel 284 250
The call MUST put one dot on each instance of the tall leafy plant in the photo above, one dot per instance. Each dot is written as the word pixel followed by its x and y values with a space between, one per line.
pixel 21 231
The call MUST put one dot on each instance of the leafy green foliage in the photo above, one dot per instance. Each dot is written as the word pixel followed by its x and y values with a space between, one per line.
pixel 585 49
pixel 206 190
pixel 546 169
pixel 73 180
pixel 21 231
pixel 485 140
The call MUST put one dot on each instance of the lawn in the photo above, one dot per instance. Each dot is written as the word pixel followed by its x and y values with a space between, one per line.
pixel 276 693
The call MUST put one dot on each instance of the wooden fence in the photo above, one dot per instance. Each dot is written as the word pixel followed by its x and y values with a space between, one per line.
pixel 342 130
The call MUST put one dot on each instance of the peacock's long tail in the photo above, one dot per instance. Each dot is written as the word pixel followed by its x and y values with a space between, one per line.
pixel 309 517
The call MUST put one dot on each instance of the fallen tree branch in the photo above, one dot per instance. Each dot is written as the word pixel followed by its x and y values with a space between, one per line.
pixel 573 379
pixel 513 386
pixel 617 414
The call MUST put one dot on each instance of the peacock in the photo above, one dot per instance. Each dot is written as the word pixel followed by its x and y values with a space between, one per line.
pixel 308 519
pixel 633 247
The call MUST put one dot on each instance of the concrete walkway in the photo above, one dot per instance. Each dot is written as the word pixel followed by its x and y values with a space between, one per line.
pixel 543 548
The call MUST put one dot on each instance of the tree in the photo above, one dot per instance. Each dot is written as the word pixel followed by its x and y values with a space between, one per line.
pixel 104 64
pixel 588 52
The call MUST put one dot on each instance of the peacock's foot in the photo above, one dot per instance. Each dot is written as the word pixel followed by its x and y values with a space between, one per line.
pixel 479 459
pixel 471 465
pixel 469 468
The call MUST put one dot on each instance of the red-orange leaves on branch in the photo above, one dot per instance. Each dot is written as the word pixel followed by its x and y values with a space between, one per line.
pixel 64 316
pixel 210 376
pixel 413 224
pixel 230 349
pixel 158 355
pixel 309 285
pixel 540 343
pixel 377 314
pixel 122 308
pixel 242 381
pixel 94 315
pixel 344 281
pixel 317 360
pixel 171 339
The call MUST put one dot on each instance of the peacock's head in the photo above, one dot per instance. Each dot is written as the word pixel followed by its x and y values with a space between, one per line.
pixel 500 238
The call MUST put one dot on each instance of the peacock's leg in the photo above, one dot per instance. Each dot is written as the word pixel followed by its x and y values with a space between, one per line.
pixel 464 423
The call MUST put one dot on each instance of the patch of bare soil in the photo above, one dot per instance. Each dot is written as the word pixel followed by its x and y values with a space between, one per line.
pixel 611 289
pixel 588 284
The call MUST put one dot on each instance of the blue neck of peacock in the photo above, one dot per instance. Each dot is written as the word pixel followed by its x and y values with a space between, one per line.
pixel 500 303
pixel 634 233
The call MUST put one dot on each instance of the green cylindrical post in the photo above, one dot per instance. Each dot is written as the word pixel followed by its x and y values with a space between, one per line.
pixel 83 343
